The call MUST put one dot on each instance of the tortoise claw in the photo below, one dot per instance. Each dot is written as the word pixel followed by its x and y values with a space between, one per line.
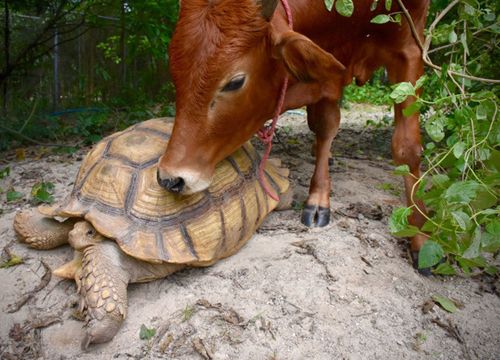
pixel 315 216
pixel 87 340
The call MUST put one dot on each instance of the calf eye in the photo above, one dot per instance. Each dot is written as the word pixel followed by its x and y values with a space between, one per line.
pixel 235 83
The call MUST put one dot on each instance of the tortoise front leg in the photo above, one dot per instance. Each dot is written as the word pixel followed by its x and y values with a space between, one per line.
pixel 41 232
pixel 105 275
pixel 103 290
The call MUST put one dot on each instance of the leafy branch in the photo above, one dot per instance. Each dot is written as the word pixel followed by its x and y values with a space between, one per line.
pixel 460 186
pixel 425 47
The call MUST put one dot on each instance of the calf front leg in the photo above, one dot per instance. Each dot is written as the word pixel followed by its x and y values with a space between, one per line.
pixel 323 119
pixel 407 147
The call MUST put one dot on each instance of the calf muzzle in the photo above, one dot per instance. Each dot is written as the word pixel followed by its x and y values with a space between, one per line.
pixel 175 184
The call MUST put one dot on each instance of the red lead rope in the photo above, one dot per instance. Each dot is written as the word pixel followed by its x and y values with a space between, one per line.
pixel 266 134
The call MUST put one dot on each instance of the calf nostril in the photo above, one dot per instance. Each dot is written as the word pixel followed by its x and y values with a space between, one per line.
pixel 175 185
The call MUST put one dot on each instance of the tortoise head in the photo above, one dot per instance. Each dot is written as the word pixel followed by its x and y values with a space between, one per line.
pixel 83 235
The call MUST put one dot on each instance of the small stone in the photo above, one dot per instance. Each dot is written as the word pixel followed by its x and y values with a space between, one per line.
pixel 376 238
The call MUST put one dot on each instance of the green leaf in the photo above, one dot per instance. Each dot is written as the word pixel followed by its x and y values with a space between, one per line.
pixel 13 195
pixel 490 243
pixel 464 264
pixel 381 19
pixel 344 7
pixel 463 40
pixel 388 4
pixel 469 10
pixel 4 172
pixel 459 149
pixel 402 91
pixel 444 269
pixel 484 154
pixel 430 254
pixel 13 261
pixel 452 37
pixel 483 200
pixel 409 231
pixel 145 333
pixel 445 303
pixel 491 270
pixel 398 223
pixel 481 112
pixel 412 109
pixel 472 251
pixel 479 262
pixel 489 16
pixel 42 192
pixel 440 180
pixel 494 228
pixel 462 219
pixel 435 128
pixel 329 5
pixel 402 170
pixel 461 192
pixel 420 82
pixel 490 240
pixel 428 226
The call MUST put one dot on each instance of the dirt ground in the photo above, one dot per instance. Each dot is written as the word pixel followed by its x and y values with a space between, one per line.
pixel 346 291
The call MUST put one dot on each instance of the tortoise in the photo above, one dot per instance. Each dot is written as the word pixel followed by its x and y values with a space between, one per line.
pixel 125 228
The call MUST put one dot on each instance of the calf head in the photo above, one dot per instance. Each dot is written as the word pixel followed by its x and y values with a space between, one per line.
pixel 228 63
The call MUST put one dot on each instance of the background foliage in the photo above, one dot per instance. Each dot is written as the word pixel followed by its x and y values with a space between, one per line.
pixel 460 184
pixel 69 66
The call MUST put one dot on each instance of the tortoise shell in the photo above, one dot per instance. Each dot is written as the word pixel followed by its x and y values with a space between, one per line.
pixel 117 192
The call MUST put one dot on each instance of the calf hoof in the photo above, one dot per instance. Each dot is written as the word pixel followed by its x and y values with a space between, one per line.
pixel 425 271
pixel 315 216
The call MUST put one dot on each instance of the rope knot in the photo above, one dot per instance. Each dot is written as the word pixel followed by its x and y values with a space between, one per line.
pixel 266 134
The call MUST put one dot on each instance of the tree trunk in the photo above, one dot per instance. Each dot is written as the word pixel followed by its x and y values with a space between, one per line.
pixel 7 54
pixel 122 45
pixel 56 70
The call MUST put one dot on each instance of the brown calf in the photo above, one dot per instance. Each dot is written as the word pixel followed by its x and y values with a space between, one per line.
pixel 228 61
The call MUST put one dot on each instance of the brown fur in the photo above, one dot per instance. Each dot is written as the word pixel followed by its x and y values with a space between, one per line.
pixel 217 39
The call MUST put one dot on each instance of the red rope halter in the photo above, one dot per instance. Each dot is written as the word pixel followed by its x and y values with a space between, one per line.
pixel 266 134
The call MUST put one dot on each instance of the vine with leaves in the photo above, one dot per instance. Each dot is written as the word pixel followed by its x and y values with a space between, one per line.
pixel 460 184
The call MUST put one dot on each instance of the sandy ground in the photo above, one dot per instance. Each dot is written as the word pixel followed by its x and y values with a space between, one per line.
pixel 346 291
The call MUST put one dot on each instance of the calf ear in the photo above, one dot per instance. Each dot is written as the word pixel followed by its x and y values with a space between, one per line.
pixel 305 60
pixel 267 8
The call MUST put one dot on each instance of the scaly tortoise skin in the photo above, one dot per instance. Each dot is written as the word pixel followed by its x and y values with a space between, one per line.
pixel 154 233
